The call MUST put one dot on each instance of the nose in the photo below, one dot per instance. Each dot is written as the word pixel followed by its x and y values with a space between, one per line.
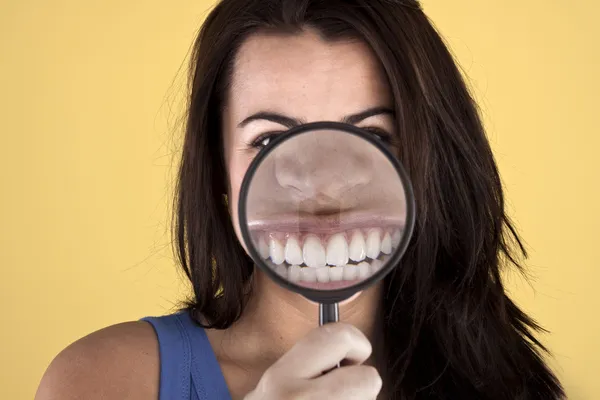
pixel 323 166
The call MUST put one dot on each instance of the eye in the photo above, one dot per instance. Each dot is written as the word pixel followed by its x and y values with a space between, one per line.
pixel 379 134
pixel 264 139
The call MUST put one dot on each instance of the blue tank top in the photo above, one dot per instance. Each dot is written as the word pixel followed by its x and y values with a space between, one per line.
pixel 188 366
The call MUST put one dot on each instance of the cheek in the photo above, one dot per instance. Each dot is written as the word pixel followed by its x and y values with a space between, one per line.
pixel 237 167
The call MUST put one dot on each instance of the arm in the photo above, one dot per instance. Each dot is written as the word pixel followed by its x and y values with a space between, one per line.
pixel 118 362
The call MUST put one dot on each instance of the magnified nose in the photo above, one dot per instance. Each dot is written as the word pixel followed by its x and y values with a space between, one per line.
pixel 322 167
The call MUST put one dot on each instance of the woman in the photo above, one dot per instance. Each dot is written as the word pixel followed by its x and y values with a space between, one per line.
pixel 439 327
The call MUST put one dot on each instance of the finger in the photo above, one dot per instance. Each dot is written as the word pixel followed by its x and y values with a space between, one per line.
pixel 322 349
pixel 354 382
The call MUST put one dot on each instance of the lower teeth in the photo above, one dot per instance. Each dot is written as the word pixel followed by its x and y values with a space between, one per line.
pixel 349 272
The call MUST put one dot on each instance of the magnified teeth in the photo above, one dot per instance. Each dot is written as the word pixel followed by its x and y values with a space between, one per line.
pixel 328 258
pixel 350 272
pixel 357 248
pixel 313 252
pixel 396 237
pixel 281 270
pixel 386 244
pixel 376 266
pixel 294 273
pixel 323 274
pixel 336 273
pixel 263 248
pixel 363 270
pixel 276 251
pixel 293 252
pixel 337 250
pixel 373 243
pixel 308 274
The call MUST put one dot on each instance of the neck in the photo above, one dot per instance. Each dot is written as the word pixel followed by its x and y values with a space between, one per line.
pixel 276 318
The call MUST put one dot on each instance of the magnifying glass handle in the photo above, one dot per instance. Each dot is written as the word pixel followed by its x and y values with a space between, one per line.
pixel 329 313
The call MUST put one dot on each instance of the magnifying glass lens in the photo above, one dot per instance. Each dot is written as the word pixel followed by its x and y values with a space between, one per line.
pixel 326 210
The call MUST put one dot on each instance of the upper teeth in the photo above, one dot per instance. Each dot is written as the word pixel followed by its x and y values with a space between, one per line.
pixel 373 243
pixel 358 247
pixel 293 252
pixel 386 244
pixel 313 252
pixel 276 251
pixel 335 251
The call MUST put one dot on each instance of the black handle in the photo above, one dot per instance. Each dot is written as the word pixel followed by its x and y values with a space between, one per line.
pixel 329 313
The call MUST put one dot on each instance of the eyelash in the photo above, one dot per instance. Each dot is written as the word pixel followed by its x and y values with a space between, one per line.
pixel 257 143
pixel 380 134
pixel 377 132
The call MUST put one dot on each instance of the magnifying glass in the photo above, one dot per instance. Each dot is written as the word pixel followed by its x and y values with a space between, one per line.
pixel 326 210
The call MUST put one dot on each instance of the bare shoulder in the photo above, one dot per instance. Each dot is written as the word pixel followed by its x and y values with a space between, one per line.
pixel 117 362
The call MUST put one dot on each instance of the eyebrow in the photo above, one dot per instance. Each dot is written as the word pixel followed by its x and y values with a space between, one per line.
pixel 290 122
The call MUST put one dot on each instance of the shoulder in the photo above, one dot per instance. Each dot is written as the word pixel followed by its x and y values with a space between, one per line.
pixel 120 361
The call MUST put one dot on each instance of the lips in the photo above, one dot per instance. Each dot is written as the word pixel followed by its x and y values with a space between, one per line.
pixel 324 224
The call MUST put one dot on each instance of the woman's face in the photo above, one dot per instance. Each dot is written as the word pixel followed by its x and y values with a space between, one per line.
pixel 280 81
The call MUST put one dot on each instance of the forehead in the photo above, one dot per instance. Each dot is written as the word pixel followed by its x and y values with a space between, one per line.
pixel 306 77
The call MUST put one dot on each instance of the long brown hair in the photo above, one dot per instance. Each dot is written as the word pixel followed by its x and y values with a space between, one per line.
pixel 451 331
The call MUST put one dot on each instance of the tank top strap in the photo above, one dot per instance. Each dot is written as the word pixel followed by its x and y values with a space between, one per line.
pixel 189 369
pixel 175 357
pixel 205 369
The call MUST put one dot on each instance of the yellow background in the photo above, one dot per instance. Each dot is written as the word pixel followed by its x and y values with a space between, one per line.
pixel 90 100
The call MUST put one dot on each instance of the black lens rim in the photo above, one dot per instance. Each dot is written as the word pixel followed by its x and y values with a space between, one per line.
pixel 337 295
